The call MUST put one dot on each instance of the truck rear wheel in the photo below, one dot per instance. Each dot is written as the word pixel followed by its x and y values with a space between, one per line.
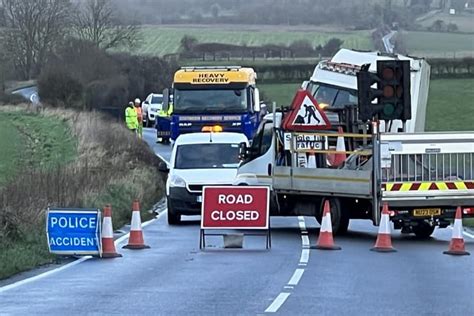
pixel 423 230
pixel 339 218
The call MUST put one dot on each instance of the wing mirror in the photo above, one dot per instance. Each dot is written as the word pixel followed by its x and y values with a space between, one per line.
pixel 243 151
pixel 163 167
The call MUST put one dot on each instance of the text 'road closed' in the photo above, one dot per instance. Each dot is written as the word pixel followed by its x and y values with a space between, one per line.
pixel 235 207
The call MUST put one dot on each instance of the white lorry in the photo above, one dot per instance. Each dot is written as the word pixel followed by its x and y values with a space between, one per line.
pixel 423 177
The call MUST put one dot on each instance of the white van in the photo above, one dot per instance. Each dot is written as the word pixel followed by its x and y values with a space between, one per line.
pixel 197 160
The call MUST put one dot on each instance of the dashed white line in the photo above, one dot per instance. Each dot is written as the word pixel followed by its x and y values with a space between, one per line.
pixel 304 256
pixel 296 277
pixel 302 226
pixel 277 303
pixel 305 240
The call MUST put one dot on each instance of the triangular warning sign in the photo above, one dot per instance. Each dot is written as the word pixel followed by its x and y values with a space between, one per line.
pixel 305 114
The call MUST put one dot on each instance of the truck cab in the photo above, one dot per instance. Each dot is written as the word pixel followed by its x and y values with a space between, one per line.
pixel 334 85
pixel 226 96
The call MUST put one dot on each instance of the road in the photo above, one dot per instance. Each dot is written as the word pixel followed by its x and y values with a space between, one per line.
pixel 386 42
pixel 175 278
pixel 29 93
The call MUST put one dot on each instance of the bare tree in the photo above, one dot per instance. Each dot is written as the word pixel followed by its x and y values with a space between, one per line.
pixel 34 29
pixel 97 21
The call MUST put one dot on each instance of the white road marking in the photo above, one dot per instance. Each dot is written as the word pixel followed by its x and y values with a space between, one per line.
pixel 296 277
pixel 305 240
pixel 468 234
pixel 71 264
pixel 304 256
pixel 277 302
pixel 302 264
pixel 465 233
pixel 302 226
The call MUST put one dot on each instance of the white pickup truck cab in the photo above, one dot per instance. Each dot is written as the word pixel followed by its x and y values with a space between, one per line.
pixel 197 160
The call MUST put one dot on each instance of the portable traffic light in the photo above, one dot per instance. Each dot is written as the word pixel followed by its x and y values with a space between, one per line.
pixel 391 99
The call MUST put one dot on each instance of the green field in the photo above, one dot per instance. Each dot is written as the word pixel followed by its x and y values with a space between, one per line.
pixel 450 105
pixel 159 41
pixel 450 102
pixel 431 44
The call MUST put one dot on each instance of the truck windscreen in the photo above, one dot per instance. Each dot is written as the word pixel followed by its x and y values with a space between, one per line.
pixel 332 96
pixel 210 101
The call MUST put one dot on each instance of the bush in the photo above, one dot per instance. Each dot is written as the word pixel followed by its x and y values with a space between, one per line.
pixel 331 47
pixel 452 27
pixel 58 87
pixel 82 75
pixel 11 99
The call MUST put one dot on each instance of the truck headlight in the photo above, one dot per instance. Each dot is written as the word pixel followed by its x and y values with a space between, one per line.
pixel 177 181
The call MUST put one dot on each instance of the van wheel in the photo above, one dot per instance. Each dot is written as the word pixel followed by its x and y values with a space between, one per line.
pixel 423 230
pixel 339 219
pixel 174 217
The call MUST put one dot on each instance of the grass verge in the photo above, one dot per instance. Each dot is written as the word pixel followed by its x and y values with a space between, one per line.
pixel 73 159
pixel 11 144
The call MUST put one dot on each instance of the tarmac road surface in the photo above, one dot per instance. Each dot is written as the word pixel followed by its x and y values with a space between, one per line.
pixel 174 277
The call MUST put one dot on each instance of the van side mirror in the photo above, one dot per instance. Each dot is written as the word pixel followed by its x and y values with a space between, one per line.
pixel 243 151
pixel 166 99
pixel 256 106
pixel 304 85
pixel 163 167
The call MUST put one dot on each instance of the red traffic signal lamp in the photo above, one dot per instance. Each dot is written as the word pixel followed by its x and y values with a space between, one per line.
pixel 391 99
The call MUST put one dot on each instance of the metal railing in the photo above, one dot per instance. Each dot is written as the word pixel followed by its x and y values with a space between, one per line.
pixel 429 167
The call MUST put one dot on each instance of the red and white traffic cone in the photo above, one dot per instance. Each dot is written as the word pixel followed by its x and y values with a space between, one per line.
pixel 325 239
pixel 456 246
pixel 108 245
pixel 384 240
pixel 337 159
pixel 135 241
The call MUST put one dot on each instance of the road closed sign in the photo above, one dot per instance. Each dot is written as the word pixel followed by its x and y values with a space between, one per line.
pixel 73 231
pixel 235 207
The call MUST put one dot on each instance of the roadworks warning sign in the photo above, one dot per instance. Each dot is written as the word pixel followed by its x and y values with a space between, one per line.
pixel 305 114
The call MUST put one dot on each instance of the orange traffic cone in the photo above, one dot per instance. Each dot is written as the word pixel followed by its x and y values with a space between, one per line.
pixel 136 235
pixel 337 159
pixel 384 240
pixel 108 245
pixel 456 246
pixel 325 240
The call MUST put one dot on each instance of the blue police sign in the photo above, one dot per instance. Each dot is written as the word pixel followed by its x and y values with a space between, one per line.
pixel 74 231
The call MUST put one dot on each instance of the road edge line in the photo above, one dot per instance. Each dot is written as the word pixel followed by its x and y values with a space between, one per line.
pixel 71 264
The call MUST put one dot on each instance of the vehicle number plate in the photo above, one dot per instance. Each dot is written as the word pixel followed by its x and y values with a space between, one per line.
pixel 427 212
pixel 199 198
